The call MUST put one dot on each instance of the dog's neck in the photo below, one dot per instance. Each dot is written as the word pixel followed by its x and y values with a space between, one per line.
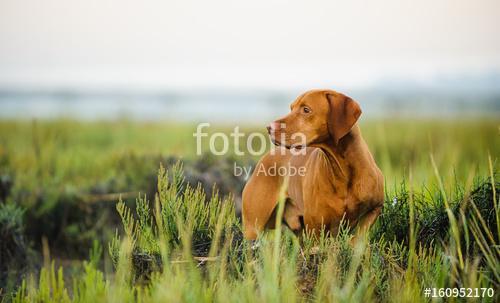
pixel 337 152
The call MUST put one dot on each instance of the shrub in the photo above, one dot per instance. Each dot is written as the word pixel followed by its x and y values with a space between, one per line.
pixel 13 247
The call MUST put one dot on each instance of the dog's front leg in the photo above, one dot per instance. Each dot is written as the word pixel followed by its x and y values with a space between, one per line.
pixel 366 221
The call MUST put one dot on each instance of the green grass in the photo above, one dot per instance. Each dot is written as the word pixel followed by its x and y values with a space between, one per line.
pixel 284 268
pixel 66 152
pixel 439 227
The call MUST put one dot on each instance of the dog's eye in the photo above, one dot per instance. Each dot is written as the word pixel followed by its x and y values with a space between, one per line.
pixel 306 110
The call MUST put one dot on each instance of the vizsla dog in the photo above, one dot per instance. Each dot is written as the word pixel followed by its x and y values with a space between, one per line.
pixel 339 178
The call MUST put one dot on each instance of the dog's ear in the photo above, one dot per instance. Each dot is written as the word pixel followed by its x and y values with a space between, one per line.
pixel 344 112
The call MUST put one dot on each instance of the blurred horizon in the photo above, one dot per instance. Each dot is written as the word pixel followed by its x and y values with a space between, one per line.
pixel 473 99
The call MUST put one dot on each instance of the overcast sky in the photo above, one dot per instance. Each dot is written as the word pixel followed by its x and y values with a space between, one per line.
pixel 253 43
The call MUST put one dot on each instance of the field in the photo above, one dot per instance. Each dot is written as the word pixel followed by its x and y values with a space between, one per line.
pixel 126 211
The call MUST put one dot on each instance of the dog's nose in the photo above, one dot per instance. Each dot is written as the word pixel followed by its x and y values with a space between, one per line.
pixel 273 126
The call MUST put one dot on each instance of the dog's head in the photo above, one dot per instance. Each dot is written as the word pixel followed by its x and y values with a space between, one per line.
pixel 316 116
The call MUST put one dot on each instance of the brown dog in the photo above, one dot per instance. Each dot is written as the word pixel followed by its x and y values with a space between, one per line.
pixel 333 177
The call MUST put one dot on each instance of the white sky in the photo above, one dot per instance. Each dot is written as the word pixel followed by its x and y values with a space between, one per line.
pixel 234 43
